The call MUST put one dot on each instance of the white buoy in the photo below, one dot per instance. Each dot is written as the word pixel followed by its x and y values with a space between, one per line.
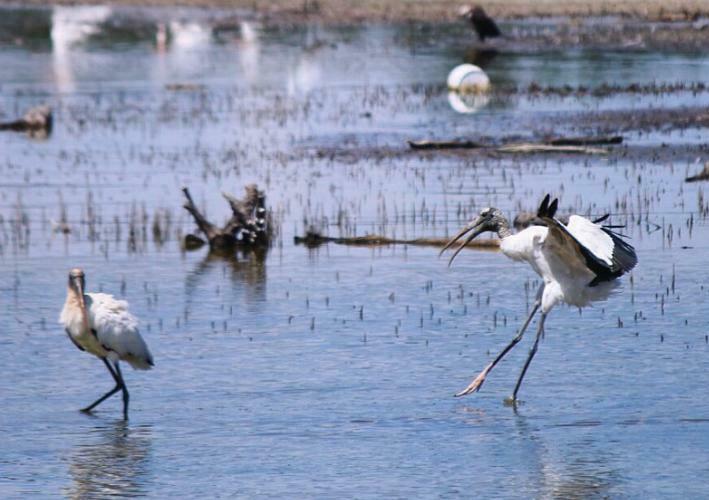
pixel 468 78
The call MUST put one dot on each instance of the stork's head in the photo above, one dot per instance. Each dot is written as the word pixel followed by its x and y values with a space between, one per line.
pixel 471 11
pixel 76 282
pixel 489 219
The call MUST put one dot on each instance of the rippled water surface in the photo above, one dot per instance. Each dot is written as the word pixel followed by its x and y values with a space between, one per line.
pixel 330 371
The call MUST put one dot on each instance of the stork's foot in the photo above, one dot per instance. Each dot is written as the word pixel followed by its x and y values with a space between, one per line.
pixel 86 410
pixel 476 384
pixel 512 401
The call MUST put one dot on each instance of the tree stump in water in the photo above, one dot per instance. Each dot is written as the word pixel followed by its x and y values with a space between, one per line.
pixel 249 226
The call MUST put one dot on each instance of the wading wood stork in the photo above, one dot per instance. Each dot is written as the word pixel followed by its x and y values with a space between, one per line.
pixel 101 325
pixel 483 24
pixel 579 263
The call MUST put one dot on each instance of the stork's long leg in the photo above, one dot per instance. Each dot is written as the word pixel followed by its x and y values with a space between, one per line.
pixel 119 385
pixel 126 396
pixel 532 352
pixel 477 383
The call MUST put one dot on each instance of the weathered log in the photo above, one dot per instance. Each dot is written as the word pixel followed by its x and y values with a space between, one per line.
pixel 248 227
pixel 585 141
pixel 314 239
pixel 701 176
pixel 561 144
pixel 451 144
pixel 529 148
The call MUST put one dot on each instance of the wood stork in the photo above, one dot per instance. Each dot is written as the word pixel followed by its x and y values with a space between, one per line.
pixel 101 325
pixel 483 24
pixel 579 263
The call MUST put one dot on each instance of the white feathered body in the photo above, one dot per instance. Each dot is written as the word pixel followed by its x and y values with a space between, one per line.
pixel 112 330
pixel 566 277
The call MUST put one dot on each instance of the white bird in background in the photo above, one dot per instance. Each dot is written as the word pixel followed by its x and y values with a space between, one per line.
pixel 101 325
pixel 249 51
pixel 579 263
pixel 189 35
pixel 161 38
pixel 71 27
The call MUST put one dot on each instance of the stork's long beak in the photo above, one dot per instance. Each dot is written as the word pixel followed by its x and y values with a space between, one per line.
pixel 80 291
pixel 477 226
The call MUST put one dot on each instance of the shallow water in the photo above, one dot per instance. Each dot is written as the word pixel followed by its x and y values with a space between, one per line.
pixel 331 371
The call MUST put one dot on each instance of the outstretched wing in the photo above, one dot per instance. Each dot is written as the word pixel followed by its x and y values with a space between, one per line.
pixel 616 254
pixel 601 250
pixel 117 329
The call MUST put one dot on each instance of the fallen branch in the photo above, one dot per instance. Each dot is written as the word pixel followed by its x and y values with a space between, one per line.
pixel 209 229
pixel 585 141
pixel 314 239
pixel 452 144
pixel 548 148
pixel 559 145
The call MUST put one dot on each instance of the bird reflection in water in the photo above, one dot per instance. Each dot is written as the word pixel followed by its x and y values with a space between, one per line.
pixel 480 57
pixel 573 469
pixel 114 463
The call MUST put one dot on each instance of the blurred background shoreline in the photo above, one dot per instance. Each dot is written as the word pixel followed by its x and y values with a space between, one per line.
pixel 348 11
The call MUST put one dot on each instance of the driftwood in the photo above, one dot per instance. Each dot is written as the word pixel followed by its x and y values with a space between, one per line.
pixel 452 144
pixel 183 87
pixel 585 141
pixel 37 122
pixel 701 176
pixel 314 239
pixel 529 148
pixel 248 227
pixel 559 145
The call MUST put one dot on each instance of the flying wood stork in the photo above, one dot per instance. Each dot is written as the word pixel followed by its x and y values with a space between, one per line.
pixel 101 325
pixel 579 263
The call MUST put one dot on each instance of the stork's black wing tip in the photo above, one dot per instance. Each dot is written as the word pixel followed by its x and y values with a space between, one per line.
pixel 544 207
pixel 552 208
pixel 602 218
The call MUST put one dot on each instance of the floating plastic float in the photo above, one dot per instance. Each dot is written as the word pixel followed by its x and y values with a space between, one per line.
pixel 468 78
pixel 468 85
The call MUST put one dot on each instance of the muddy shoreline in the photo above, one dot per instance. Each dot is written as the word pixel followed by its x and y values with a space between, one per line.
pixel 679 26
pixel 335 12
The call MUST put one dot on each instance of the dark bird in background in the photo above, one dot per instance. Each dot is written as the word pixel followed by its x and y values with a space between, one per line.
pixel 483 24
